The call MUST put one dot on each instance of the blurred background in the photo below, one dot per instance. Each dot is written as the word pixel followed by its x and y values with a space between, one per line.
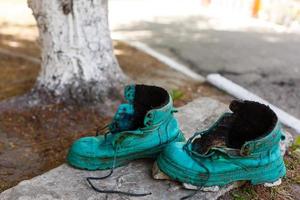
pixel 254 43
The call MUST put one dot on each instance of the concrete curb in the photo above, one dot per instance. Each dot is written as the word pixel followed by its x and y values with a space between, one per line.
pixel 65 182
pixel 166 60
pixel 220 82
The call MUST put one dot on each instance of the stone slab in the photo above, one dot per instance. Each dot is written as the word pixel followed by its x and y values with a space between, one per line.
pixel 65 182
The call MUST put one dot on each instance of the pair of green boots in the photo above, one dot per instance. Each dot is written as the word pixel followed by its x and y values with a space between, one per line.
pixel 241 145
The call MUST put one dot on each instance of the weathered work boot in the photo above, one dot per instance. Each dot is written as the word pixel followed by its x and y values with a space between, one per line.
pixel 140 128
pixel 243 145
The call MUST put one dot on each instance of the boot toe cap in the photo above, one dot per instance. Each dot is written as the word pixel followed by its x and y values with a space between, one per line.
pixel 90 153
pixel 175 156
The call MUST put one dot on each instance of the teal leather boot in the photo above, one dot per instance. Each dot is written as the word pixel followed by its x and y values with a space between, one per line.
pixel 242 145
pixel 140 128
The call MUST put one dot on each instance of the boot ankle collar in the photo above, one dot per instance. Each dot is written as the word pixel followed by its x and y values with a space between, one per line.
pixel 158 115
pixel 263 144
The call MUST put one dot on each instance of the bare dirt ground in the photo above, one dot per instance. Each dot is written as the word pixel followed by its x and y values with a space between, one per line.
pixel 36 140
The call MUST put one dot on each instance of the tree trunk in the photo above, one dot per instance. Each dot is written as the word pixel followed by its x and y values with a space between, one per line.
pixel 77 54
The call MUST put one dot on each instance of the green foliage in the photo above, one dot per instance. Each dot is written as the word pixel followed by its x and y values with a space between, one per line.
pixel 297 141
pixel 176 94
pixel 244 193
pixel 296 144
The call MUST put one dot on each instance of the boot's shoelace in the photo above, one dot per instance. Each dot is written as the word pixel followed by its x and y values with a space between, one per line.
pixel 191 195
pixel 89 179
pixel 192 154
pixel 103 131
pixel 185 147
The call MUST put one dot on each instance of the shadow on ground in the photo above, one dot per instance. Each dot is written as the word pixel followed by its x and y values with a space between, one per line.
pixel 36 140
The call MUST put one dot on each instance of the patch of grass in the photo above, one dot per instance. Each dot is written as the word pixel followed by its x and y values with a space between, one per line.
pixel 176 94
pixel 244 193
pixel 284 191
pixel 296 144
pixel 292 162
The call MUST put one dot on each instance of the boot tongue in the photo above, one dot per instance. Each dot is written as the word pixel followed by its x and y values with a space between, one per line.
pixel 123 119
pixel 216 137
pixel 218 134
pixel 129 93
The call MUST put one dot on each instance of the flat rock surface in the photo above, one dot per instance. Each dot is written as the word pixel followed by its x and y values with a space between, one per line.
pixel 65 182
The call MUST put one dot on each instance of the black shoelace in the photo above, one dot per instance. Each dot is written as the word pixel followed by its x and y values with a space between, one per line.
pixel 185 147
pixel 90 179
pixel 191 195
pixel 190 152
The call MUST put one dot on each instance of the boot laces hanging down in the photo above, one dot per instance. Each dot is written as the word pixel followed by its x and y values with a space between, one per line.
pixel 104 131
pixel 90 179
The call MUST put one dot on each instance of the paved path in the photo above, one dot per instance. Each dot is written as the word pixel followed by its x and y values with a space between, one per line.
pixel 250 53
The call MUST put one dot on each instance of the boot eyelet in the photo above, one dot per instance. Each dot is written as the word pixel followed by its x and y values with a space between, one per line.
pixel 149 115
pixel 149 123
pixel 246 151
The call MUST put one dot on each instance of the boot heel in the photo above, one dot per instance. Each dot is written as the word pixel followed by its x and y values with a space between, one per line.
pixel 267 183
pixel 274 184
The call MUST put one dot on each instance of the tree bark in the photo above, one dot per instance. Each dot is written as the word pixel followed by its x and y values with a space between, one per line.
pixel 78 63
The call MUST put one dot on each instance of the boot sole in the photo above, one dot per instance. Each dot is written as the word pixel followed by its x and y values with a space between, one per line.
pixel 157 174
pixel 269 173
pixel 96 163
